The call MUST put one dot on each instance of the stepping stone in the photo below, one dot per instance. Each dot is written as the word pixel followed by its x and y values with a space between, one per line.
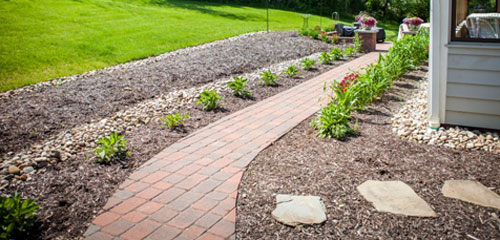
pixel 299 210
pixel 471 191
pixel 395 197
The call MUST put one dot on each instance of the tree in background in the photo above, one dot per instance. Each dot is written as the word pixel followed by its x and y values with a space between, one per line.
pixel 381 9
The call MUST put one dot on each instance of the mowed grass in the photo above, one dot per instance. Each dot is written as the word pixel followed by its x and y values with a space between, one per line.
pixel 45 39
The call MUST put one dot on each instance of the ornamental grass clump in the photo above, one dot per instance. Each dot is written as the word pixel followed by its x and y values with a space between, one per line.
pixel 268 78
pixel 307 64
pixel 355 90
pixel 333 122
pixel 239 87
pixel 291 71
pixel 357 43
pixel 209 99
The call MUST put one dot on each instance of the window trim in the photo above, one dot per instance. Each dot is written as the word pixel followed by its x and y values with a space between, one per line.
pixel 453 28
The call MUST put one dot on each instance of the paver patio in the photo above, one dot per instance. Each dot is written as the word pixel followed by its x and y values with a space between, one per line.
pixel 189 190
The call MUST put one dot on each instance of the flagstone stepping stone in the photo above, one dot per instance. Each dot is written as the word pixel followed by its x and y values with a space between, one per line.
pixel 395 197
pixel 472 192
pixel 299 210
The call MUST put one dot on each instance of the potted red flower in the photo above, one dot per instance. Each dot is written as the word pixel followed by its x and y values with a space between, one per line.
pixel 368 32
pixel 413 22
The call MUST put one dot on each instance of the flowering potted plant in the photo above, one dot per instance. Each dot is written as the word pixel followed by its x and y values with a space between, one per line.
pixel 367 22
pixel 413 22
pixel 367 33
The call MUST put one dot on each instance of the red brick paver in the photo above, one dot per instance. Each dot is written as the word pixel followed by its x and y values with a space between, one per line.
pixel 189 190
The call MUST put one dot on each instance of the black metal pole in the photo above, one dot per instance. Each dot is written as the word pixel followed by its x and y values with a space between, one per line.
pixel 321 13
pixel 268 15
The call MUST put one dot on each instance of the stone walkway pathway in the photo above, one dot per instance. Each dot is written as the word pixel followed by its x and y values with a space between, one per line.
pixel 189 190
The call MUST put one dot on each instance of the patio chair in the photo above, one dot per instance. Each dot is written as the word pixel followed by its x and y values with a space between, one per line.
pixel 483 25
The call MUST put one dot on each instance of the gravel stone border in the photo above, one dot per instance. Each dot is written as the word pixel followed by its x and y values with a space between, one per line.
pixel 411 123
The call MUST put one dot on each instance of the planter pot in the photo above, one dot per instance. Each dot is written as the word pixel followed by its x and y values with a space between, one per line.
pixel 368 39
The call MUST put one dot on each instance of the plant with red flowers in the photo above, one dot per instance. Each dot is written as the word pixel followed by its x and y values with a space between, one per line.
pixel 413 22
pixel 367 22
pixel 348 81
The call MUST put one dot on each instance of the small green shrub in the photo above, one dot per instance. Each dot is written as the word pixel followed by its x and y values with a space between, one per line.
pixel 304 31
pixel 325 38
pixel 335 39
pixel 239 87
pixel 326 58
pixel 111 147
pixel 268 78
pixel 333 122
pixel 308 64
pixel 314 34
pixel 292 71
pixel 330 28
pixel 17 217
pixel 209 99
pixel 174 120
pixel 336 53
pixel 357 43
pixel 349 52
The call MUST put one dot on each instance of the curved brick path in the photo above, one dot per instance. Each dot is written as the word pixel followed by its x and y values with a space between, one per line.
pixel 188 191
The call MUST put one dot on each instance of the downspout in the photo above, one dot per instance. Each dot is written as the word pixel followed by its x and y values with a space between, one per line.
pixel 434 68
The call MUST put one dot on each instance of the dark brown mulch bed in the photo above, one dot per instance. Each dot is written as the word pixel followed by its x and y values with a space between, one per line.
pixel 71 193
pixel 303 164
pixel 32 117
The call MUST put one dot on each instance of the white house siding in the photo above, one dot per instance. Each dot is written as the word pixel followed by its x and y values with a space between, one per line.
pixel 473 85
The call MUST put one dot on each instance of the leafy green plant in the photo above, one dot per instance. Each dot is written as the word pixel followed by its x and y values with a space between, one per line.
pixel 349 52
pixel 333 122
pixel 336 53
pixel 292 71
pixel 239 87
pixel 357 43
pixel 304 31
pixel 314 34
pixel 326 58
pixel 17 217
pixel 330 28
pixel 325 38
pixel 307 63
pixel 335 39
pixel 268 78
pixel 110 148
pixel 174 120
pixel 209 99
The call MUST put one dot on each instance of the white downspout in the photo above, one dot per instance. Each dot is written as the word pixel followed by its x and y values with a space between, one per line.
pixel 434 68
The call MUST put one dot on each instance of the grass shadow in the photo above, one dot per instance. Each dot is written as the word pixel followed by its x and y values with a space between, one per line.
pixel 204 8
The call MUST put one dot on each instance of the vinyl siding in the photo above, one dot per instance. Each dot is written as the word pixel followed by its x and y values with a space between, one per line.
pixel 473 87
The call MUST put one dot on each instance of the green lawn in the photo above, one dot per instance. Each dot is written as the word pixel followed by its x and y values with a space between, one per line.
pixel 45 39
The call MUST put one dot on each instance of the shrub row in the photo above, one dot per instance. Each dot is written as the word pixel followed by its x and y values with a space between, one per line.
pixel 356 90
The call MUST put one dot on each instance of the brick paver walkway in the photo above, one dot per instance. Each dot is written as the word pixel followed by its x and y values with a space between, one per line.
pixel 188 191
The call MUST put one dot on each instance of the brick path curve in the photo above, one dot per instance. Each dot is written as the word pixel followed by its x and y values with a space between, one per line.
pixel 188 191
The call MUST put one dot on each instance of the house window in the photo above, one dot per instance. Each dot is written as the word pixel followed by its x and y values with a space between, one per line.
pixel 475 20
